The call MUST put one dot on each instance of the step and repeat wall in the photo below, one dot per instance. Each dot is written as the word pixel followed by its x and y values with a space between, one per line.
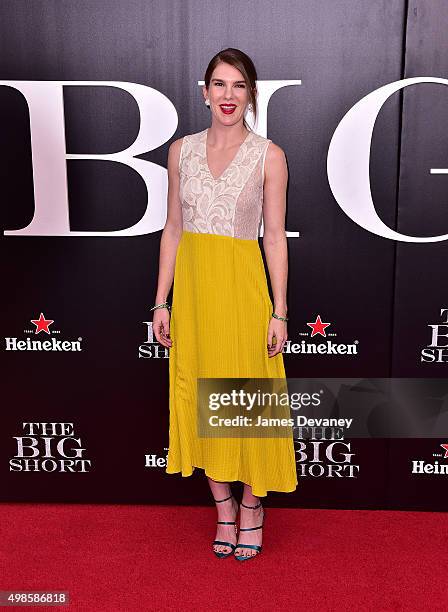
pixel 91 96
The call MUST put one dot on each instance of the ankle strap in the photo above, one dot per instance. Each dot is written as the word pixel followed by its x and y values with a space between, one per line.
pixel 251 507
pixel 218 501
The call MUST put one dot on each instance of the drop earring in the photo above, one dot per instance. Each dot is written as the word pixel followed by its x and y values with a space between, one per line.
pixel 207 102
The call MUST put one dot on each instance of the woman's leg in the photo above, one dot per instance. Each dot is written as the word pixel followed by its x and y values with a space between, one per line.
pixel 250 518
pixel 227 511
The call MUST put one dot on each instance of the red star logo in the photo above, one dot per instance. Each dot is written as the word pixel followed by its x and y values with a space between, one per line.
pixel 318 327
pixel 42 324
pixel 445 446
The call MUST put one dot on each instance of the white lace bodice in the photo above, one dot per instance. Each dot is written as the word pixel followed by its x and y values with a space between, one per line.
pixel 230 205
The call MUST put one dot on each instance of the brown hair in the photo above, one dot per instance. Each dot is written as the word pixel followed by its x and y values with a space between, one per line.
pixel 245 65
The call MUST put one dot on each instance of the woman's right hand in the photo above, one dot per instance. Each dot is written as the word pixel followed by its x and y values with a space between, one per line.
pixel 161 326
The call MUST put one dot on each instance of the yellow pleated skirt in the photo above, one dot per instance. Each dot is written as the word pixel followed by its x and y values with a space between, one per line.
pixel 220 314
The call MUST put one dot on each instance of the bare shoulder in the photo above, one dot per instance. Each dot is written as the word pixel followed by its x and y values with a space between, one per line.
pixel 275 162
pixel 175 147
pixel 275 153
pixel 174 153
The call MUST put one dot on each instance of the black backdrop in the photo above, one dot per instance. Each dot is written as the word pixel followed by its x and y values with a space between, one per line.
pixel 380 294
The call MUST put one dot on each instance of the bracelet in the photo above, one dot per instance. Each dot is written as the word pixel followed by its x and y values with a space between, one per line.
pixel 164 305
pixel 279 318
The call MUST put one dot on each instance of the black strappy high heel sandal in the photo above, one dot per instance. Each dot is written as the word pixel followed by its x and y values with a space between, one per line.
pixel 223 555
pixel 256 547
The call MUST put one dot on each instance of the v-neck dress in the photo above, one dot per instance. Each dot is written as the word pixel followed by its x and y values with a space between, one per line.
pixel 220 313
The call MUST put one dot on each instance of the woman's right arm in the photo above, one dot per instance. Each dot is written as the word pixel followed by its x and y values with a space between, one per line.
pixel 168 246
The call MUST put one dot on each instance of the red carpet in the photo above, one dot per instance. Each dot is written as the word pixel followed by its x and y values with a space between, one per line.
pixel 126 558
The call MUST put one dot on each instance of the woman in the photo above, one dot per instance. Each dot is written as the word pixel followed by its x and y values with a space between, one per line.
pixel 221 180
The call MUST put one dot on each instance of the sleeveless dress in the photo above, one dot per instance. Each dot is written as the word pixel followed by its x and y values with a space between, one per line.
pixel 220 314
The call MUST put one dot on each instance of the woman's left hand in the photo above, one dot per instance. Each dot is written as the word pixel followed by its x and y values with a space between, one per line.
pixel 277 336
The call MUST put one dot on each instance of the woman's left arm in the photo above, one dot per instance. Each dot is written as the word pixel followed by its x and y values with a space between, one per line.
pixel 274 241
